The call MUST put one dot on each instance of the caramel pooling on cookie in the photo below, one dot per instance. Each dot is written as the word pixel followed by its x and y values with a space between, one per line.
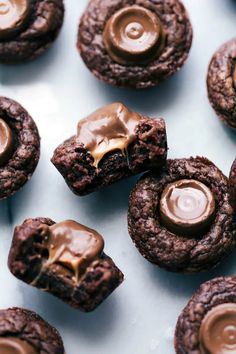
pixel 14 345
pixel 6 142
pixel 218 330
pixel 13 15
pixel 133 35
pixel 187 207
pixel 110 128
pixel 73 245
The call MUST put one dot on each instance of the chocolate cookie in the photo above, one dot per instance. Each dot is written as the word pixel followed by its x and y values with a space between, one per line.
pixel 232 183
pixel 221 83
pixel 19 147
pixel 134 43
pixel 181 218
pixel 28 28
pixel 65 259
pixel 111 144
pixel 24 332
pixel 208 322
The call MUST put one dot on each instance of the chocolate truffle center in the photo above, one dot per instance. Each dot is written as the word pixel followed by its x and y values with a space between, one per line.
pixel 13 14
pixel 6 142
pixel 12 345
pixel 109 128
pixel 187 207
pixel 218 330
pixel 133 34
pixel 73 245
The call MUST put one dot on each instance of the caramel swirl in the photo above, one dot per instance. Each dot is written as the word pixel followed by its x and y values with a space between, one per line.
pixel 13 345
pixel 218 330
pixel 6 142
pixel 13 14
pixel 132 35
pixel 187 207
pixel 73 245
pixel 109 128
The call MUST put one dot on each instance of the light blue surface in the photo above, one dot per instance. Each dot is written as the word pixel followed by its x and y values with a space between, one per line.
pixel 58 90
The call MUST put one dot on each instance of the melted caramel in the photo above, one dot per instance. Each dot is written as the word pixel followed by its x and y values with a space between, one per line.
pixel 110 128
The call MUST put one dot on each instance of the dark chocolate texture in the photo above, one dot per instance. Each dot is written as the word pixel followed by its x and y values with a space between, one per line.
pixel 28 261
pixel 169 58
pixel 216 295
pixel 140 145
pixel 221 83
pixel 23 154
pixel 176 252
pixel 27 327
pixel 232 184
pixel 28 32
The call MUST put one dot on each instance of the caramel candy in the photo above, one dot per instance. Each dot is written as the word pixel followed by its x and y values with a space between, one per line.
pixel 218 330
pixel 73 245
pixel 187 207
pixel 12 345
pixel 6 142
pixel 13 15
pixel 132 35
pixel 109 128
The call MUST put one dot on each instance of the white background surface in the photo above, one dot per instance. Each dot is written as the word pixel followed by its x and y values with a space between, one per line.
pixel 57 90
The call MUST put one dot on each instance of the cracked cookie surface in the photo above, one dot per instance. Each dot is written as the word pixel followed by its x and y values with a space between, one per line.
pixel 41 29
pixel 221 85
pixel 30 327
pixel 26 147
pixel 215 292
pixel 175 51
pixel 169 250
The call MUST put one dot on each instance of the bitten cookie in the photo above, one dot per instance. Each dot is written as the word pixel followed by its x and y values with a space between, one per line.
pixel 221 83
pixel 134 43
pixel 65 259
pixel 232 183
pixel 24 332
pixel 111 144
pixel 19 147
pixel 28 28
pixel 181 218
pixel 208 322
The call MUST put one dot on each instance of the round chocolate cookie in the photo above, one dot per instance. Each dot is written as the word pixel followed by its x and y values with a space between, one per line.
pixel 232 183
pixel 221 83
pixel 28 28
pixel 24 332
pixel 19 147
pixel 134 43
pixel 181 218
pixel 208 322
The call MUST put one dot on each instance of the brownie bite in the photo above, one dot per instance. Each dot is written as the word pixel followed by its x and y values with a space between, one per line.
pixel 19 147
pixel 232 183
pixel 208 322
pixel 65 259
pixel 221 83
pixel 134 43
pixel 111 144
pixel 24 332
pixel 28 28
pixel 180 218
